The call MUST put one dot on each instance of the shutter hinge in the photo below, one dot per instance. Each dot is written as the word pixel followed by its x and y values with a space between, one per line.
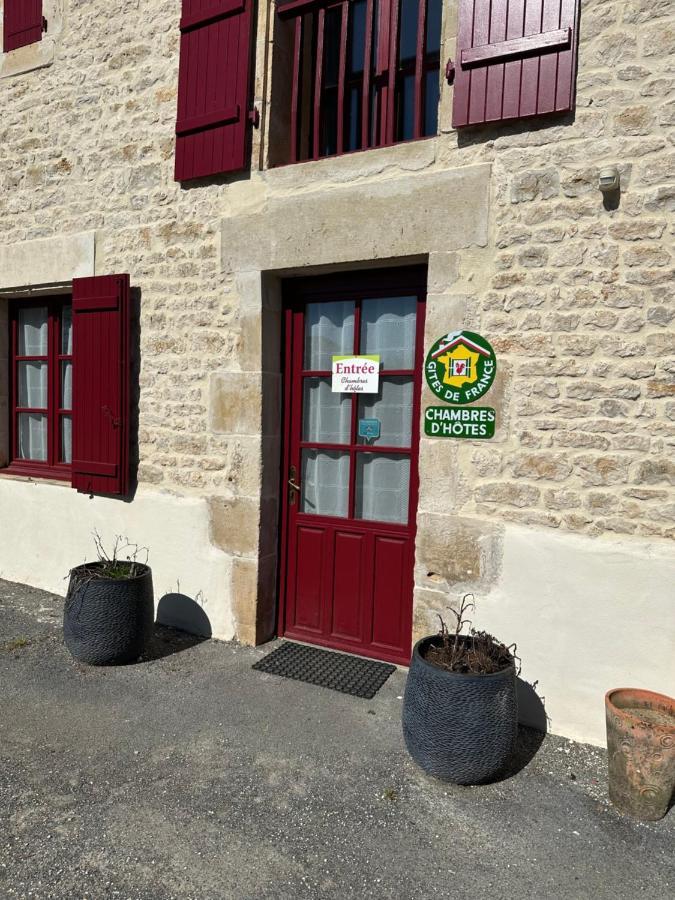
pixel 114 421
pixel 44 24
pixel 254 117
pixel 450 71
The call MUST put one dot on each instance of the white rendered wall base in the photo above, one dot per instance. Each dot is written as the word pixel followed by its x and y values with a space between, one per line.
pixel 45 529
pixel 587 615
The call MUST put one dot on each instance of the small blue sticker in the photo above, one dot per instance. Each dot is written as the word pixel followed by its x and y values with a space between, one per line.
pixel 369 429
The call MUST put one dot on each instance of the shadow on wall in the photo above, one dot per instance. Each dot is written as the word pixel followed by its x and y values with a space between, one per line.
pixel 532 728
pixel 531 711
pixel 134 391
pixel 181 624
pixel 181 611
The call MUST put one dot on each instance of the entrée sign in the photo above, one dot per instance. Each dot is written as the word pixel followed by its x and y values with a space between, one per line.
pixel 356 374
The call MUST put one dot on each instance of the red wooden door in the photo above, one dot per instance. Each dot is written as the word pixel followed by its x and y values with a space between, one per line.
pixel 349 501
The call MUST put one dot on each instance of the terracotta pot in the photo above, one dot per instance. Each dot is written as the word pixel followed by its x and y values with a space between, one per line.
pixel 641 752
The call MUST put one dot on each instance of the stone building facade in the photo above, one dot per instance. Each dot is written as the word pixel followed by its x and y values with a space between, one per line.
pixel 562 525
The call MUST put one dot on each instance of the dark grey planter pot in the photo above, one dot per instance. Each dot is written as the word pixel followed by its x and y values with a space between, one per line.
pixel 459 728
pixel 108 621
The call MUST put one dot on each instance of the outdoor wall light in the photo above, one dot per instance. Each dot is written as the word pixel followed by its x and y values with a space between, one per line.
pixel 609 179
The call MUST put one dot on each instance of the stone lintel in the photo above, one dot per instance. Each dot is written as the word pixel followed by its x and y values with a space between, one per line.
pixel 402 217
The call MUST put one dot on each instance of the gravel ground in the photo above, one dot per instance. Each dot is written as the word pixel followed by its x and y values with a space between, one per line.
pixel 189 776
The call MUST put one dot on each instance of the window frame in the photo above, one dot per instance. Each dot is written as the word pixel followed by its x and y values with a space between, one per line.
pixel 52 467
pixel 381 79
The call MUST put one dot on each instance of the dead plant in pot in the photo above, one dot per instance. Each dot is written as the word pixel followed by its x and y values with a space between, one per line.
pixel 109 610
pixel 460 712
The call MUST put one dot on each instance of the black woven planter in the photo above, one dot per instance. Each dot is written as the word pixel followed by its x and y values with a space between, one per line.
pixel 460 728
pixel 108 620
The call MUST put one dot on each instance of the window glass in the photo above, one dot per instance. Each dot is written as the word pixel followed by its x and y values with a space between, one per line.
pixel 66 439
pixel 32 436
pixel 32 327
pixel 329 87
pixel 406 108
pixel 433 26
pixel 352 132
pixel 432 92
pixel 66 385
pixel 32 387
pixel 67 330
pixel 407 30
pixel 357 36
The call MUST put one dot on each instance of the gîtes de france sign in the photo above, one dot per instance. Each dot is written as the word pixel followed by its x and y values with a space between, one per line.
pixel 474 423
pixel 356 374
pixel 460 367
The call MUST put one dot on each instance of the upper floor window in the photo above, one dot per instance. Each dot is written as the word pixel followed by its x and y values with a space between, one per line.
pixel 364 73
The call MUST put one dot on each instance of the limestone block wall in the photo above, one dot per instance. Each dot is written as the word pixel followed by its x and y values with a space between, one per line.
pixel 574 293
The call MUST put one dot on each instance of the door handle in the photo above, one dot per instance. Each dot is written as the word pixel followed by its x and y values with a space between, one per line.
pixel 293 485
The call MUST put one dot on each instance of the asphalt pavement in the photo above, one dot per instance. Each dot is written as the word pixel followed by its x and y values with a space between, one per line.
pixel 189 776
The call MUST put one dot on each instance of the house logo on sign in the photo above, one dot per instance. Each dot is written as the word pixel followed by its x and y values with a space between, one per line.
pixel 460 367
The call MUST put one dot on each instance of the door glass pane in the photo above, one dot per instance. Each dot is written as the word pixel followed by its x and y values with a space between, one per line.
pixel 66 439
pixel 382 487
pixel 388 328
pixel 32 327
pixel 32 384
pixel 329 331
pixel 66 385
pixel 325 483
pixel 392 407
pixel 67 330
pixel 32 436
pixel 326 417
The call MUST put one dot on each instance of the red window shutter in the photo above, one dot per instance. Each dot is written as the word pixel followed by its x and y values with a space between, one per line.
pixel 101 327
pixel 213 87
pixel 22 23
pixel 515 58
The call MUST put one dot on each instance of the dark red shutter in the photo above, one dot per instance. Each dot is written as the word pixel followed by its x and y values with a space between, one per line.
pixel 101 325
pixel 213 87
pixel 515 58
pixel 22 23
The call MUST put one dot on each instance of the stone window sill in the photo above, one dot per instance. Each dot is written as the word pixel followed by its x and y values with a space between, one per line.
pixel 26 59
pixel 17 475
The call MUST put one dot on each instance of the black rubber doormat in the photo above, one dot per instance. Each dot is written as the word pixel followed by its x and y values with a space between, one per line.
pixel 347 674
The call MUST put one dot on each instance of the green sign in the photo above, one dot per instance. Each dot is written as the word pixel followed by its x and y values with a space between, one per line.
pixel 460 367
pixel 476 423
